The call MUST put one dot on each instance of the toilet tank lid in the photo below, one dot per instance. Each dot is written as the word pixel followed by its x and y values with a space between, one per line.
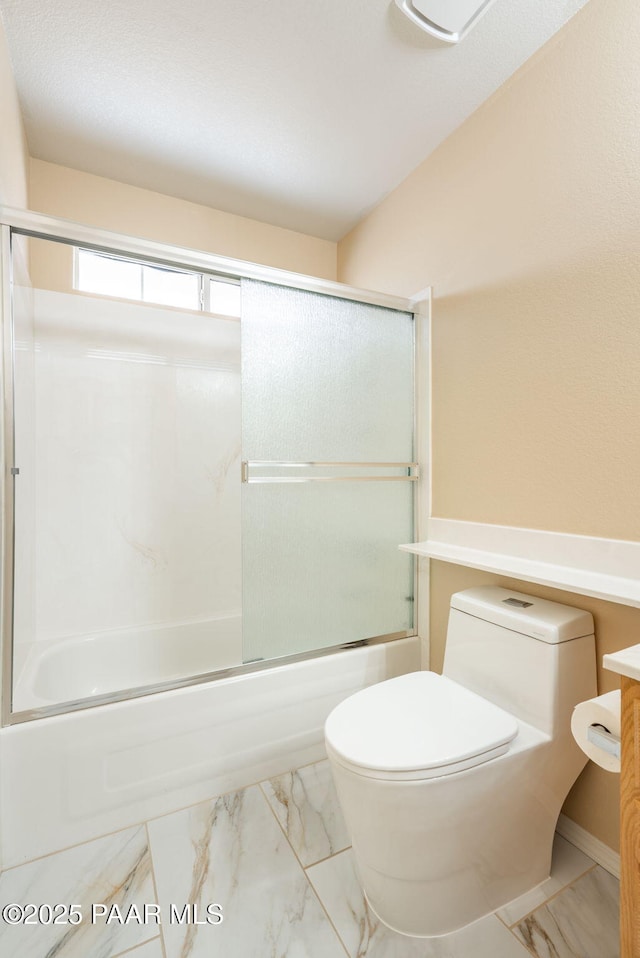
pixel 541 619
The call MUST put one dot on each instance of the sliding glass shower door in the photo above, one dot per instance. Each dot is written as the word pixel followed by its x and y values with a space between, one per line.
pixel 195 489
pixel 327 427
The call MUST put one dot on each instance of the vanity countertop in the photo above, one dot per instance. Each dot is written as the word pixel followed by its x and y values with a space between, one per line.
pixel 626 662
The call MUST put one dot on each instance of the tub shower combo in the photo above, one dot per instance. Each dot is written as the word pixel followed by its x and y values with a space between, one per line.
pixel 202 510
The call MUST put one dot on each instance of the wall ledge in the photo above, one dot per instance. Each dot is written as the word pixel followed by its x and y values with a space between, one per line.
pixel 587 565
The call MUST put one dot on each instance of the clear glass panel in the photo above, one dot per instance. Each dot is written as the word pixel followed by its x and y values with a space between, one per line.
pixel 224 297
pixel 128 560
pixel 324 380
pixel 109 276
pixel 24 486
pixel 170 287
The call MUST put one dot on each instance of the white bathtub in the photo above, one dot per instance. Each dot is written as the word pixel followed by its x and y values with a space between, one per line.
pixel 69 669
pixel 73 777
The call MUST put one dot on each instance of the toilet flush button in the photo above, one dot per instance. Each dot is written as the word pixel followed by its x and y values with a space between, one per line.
pixel 517 603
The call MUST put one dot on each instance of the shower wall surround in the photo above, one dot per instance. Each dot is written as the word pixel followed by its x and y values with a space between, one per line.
pixel 128 499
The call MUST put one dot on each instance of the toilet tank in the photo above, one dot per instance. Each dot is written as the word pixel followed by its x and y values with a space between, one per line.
pixel 532 657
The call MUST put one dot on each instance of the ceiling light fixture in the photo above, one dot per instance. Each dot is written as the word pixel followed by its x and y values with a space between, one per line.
pixel 448 20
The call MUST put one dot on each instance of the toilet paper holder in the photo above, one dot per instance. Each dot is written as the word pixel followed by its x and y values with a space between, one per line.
pixel 601 737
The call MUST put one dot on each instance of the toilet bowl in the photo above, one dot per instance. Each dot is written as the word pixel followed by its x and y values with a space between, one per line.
pixel 451 784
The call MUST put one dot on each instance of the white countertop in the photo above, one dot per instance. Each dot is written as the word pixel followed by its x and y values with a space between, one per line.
pixel 626 662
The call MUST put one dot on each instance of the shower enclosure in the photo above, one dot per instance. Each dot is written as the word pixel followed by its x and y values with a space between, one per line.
pixel 194 489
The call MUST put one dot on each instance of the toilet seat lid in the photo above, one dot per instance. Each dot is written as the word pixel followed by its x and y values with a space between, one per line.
pixel 419 722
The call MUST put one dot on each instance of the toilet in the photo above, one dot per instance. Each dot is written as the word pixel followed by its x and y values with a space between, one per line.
pixel 451 785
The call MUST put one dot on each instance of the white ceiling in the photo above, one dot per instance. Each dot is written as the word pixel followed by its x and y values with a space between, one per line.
pixel 300 114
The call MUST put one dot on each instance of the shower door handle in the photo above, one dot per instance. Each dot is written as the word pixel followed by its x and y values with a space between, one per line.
pixel 287 471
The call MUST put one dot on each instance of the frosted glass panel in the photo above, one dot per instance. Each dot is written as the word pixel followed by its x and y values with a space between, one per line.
pixel 324 378
pixel 328 381
pixel 321 564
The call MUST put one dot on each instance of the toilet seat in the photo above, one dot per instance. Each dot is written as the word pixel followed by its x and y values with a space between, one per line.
pixel 417 726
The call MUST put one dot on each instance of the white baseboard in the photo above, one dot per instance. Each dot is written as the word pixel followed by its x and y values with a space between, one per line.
pixel 591 846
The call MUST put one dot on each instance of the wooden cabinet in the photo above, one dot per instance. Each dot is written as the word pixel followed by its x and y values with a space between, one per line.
pixel 630 821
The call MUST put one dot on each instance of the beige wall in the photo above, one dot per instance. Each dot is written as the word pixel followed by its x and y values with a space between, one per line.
pixel 526 223
pixel 97 201
pixel 13 150
pixel 14 158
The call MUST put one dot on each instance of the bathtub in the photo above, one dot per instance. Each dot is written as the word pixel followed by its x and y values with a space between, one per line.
pixel 85 666
pixel 73 777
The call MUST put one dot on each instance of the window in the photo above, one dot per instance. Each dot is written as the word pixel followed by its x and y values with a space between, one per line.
pixel 124 278
pixel 224 297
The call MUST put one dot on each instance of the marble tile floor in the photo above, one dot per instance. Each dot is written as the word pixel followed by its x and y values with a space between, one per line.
pixel 275 857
